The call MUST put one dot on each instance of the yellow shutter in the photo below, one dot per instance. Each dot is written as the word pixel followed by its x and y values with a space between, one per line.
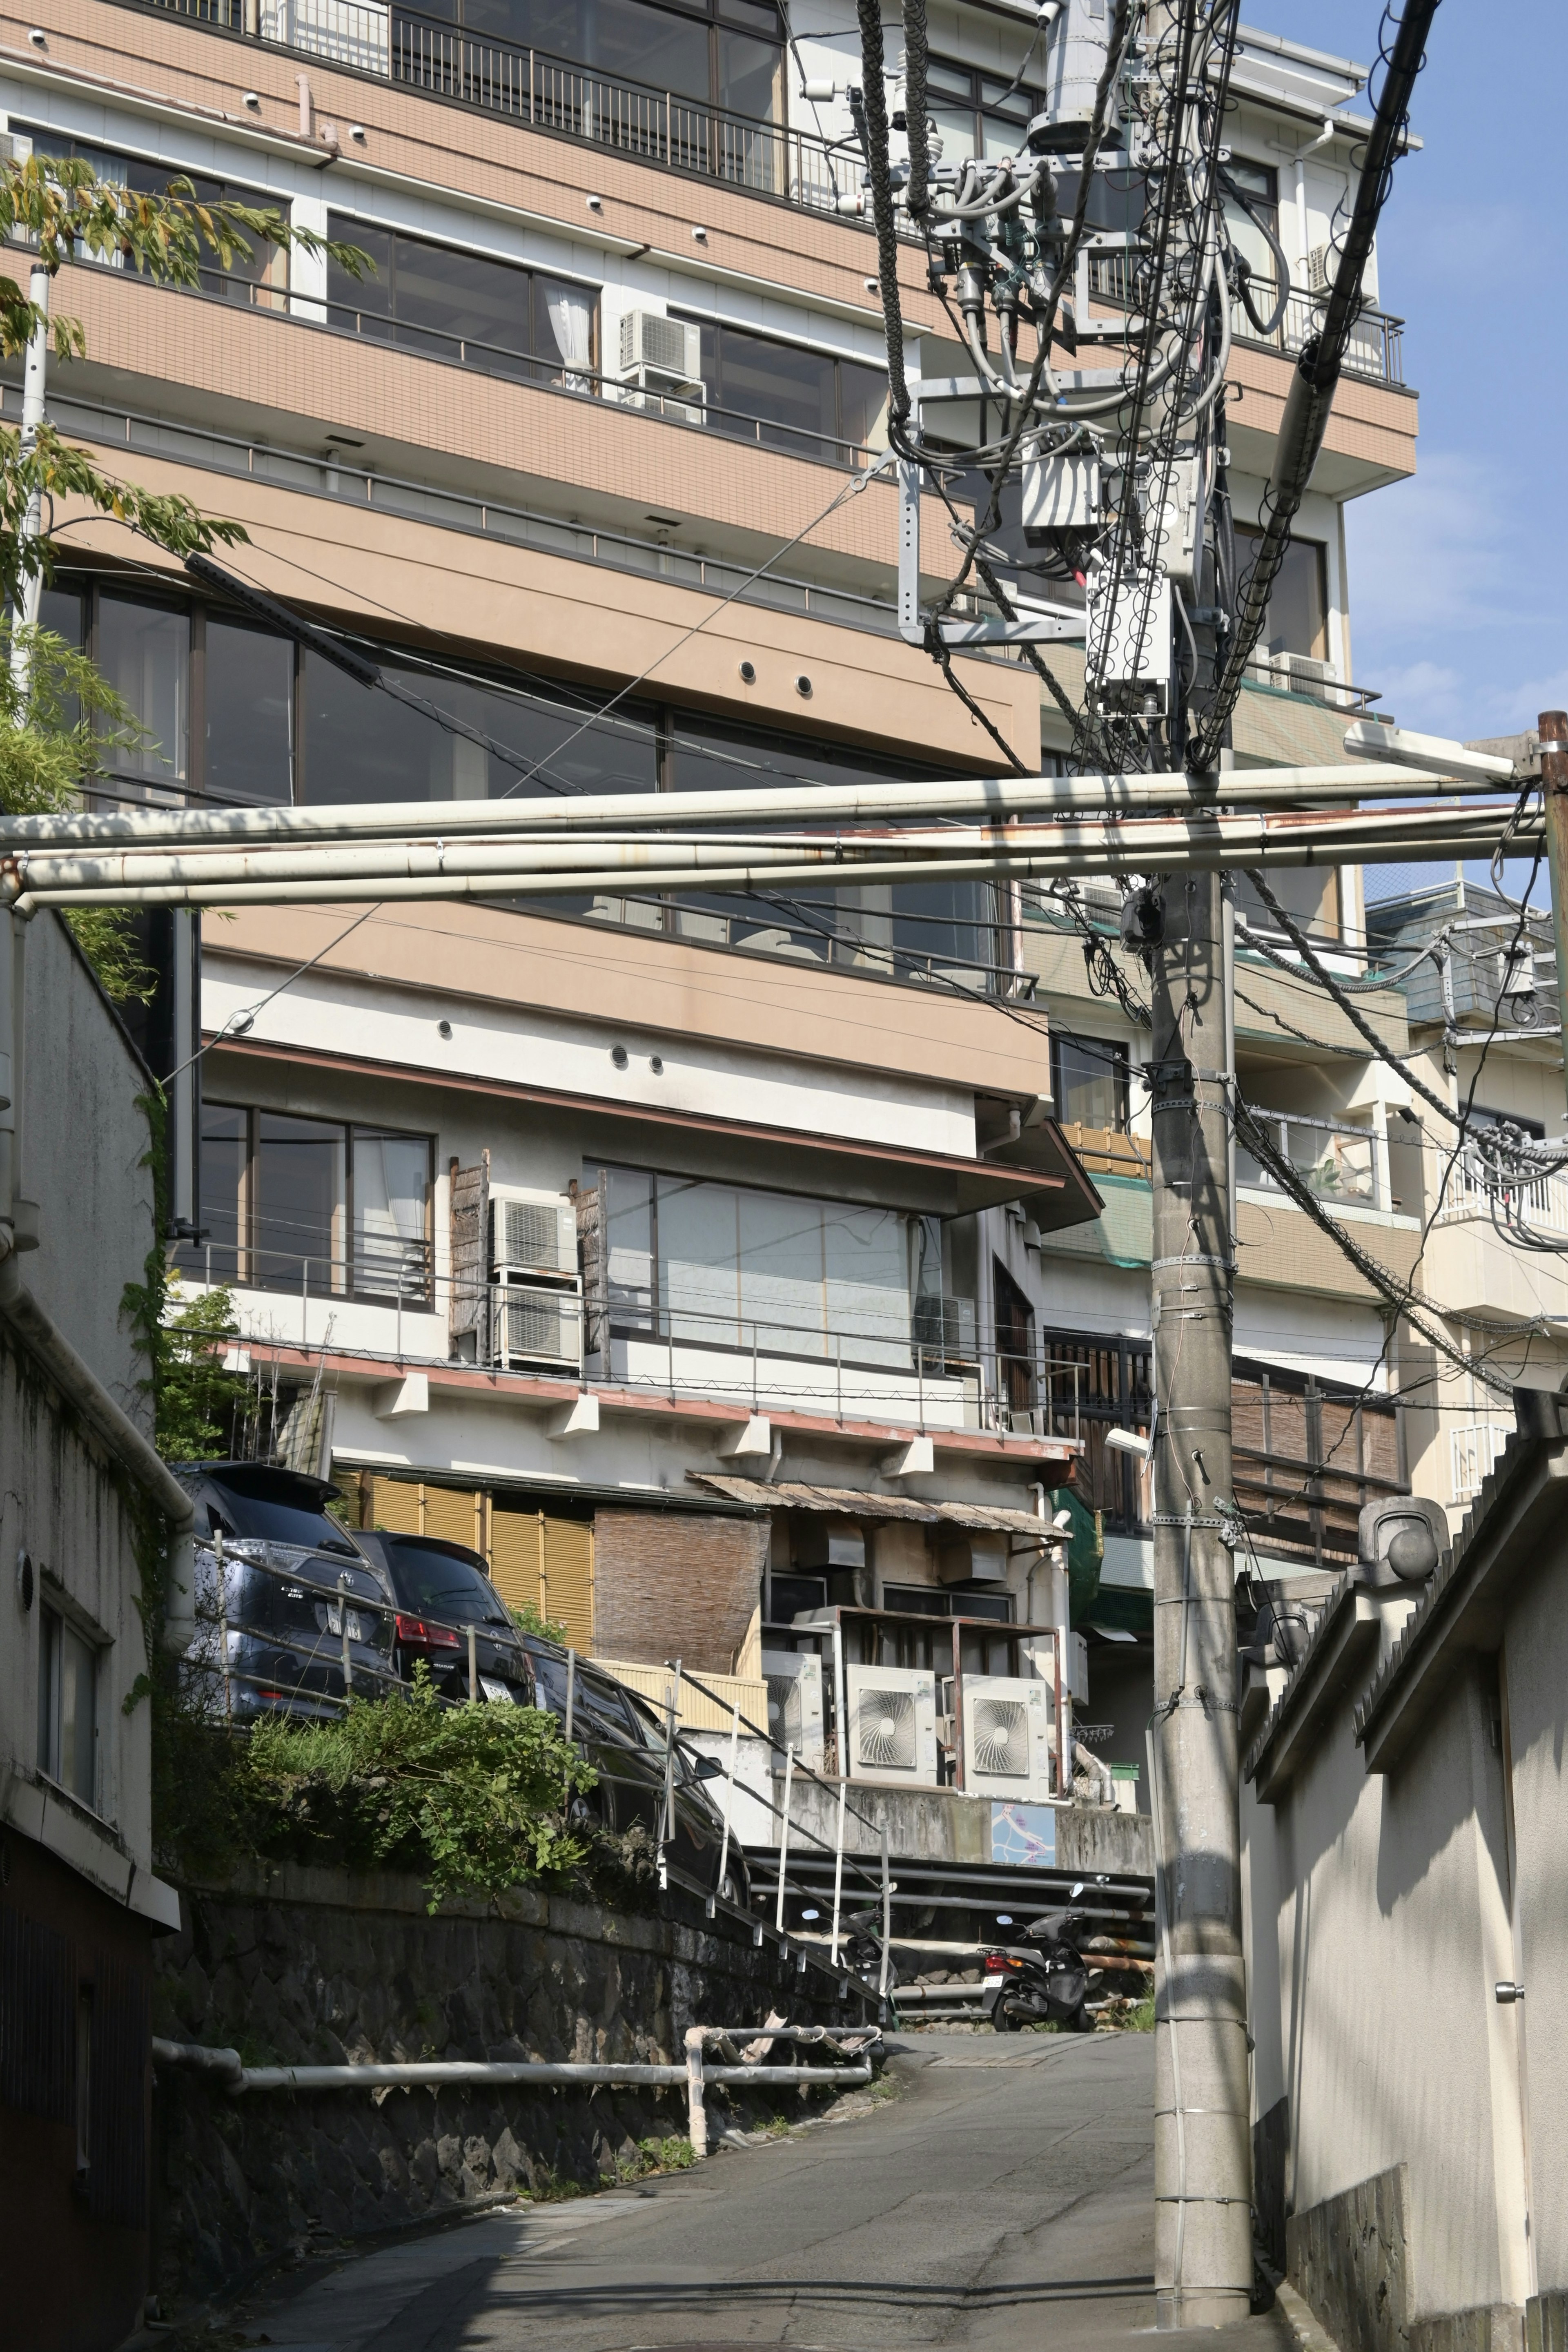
pixel 568 1578
pixel 454 1514
pixel 394 1505
pixel 545 1564
pixel 514 1555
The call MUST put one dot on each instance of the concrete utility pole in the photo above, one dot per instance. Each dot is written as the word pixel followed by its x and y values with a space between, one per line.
pixel 1203 2167
pixel 1552 729
pixel 1203 2156
pixel 35 372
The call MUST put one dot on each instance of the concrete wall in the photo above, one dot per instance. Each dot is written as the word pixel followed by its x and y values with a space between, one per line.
pixel 943 1825
pixel 317 1967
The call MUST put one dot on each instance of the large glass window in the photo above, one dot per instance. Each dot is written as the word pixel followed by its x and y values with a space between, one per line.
pixel 313 1205
pixel 144 653
pixel 731 1265
pixel 258 278
pixel 809 402
pixel 1297 620
pixel 249 709
pixel 490 315
pixel 977 113
pixel 729 54
pixel 1089 1081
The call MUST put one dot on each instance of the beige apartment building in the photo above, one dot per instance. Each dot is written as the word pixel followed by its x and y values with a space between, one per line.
pixel 815 1231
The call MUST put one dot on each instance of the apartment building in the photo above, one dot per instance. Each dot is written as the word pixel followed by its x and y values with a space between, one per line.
pixel 591 1230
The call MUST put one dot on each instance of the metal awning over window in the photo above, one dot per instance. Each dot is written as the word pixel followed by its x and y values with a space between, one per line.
pixel 849 1503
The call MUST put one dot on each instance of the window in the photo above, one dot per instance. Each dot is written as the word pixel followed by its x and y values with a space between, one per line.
pixel 728 54
pixel 976 113
pixel 808 403
pixel 309 1205
pixel 145 652
pixel 724 1265
pixel 259 278
pixel 1260 184
pixel 1297 621
pixel 67 1707
pixel 1089 1081
pixel 490 315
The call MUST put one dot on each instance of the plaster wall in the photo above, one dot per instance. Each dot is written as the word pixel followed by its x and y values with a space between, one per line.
pixel 1391 1932
pixel 1535 1676
pixel 83 1143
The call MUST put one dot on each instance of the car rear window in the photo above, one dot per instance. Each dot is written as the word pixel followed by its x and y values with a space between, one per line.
pixel 440 1586
pixel 272 1518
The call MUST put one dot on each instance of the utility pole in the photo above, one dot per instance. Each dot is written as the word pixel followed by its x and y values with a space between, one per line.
pixel 1203 2156
pixel 1552 729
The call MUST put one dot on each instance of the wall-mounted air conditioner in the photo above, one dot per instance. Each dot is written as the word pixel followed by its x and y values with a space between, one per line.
pixel 654 346
pixel 531 1233
pixel 1009 1747
pixel 795 1702
pixel 532 1328
pixel 893 1725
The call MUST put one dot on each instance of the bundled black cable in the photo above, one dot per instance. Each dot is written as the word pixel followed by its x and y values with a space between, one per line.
pixel 873 93
pixel 1316 378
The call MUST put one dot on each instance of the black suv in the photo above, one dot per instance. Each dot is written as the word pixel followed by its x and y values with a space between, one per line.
pixel 270 1633
pixel 441 1590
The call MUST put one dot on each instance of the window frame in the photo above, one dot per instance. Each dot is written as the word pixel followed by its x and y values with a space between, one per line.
pixel 56 1618
pixel 342 226
pixel 812 444
pixel 195 1259
pixel 1118 1066
pixel 1027 99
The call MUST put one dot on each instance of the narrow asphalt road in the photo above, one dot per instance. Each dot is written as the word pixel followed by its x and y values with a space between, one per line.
pixel 1003 2200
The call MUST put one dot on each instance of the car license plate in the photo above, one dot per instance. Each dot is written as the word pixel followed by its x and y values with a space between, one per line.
pixel 492 1689
pixel 335 1624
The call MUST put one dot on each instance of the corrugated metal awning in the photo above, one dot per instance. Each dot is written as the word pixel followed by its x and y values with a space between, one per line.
pixel 851 1503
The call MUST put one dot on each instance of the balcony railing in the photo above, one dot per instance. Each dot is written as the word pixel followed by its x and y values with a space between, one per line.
pixel 638 118
pixel 1339 1163
pixel 1472 1451
pixel 1476 1189
pixel 1377 343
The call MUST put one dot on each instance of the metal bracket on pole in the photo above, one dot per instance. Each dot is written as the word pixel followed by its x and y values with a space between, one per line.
pixel 1037 629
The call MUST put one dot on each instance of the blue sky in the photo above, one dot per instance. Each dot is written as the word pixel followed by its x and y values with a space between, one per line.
pixel 1458 579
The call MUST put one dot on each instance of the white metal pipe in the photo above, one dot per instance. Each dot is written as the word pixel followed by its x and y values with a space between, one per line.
pixel 1120 852
pixel 228 2067
pixel 1401 748
pixel 813 804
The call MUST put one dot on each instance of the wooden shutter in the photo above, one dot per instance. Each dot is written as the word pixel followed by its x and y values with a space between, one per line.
pixel 468 1219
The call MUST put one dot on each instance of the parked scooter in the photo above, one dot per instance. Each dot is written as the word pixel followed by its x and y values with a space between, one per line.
pixel 1050 1987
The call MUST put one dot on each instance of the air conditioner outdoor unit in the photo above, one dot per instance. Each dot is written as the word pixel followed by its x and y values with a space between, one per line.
pixel 531 1232
pixel 1009 1750
pixel 535 1326
pixel 1301 667
pixel 795 1702
pixel 893 1725
pixel 668 349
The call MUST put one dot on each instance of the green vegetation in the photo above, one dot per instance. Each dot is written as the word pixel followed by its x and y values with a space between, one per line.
pixel 527 1619
pixel 476 1799
pixel 673 2155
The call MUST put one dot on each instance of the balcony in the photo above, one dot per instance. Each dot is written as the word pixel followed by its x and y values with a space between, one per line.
pixel 1376 348
pixel 1341 1164
pixel 551 93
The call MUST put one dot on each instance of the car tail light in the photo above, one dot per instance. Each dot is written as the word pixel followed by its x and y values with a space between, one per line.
pixel 434 1637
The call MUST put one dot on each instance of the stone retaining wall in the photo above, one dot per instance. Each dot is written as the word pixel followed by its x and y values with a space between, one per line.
pixel 314 1966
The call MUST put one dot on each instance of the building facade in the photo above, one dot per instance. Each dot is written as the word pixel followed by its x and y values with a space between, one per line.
pixel 844 1193
pixel 79 1900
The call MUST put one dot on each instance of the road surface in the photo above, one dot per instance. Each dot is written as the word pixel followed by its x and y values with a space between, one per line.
pixel 1004 2200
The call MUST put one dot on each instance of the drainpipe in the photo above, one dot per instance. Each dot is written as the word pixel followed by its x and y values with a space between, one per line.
pixel 1300 166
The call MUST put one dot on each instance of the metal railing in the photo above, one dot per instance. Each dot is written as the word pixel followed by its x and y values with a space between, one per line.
pixel 681 132
pixel 1375 351
pixel 1473 1451
pixel 380 1273
pixel 1338 1162
pixel 1476 1189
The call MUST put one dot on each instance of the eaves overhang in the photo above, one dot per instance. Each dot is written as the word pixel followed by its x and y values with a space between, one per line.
pixel 1058 1191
